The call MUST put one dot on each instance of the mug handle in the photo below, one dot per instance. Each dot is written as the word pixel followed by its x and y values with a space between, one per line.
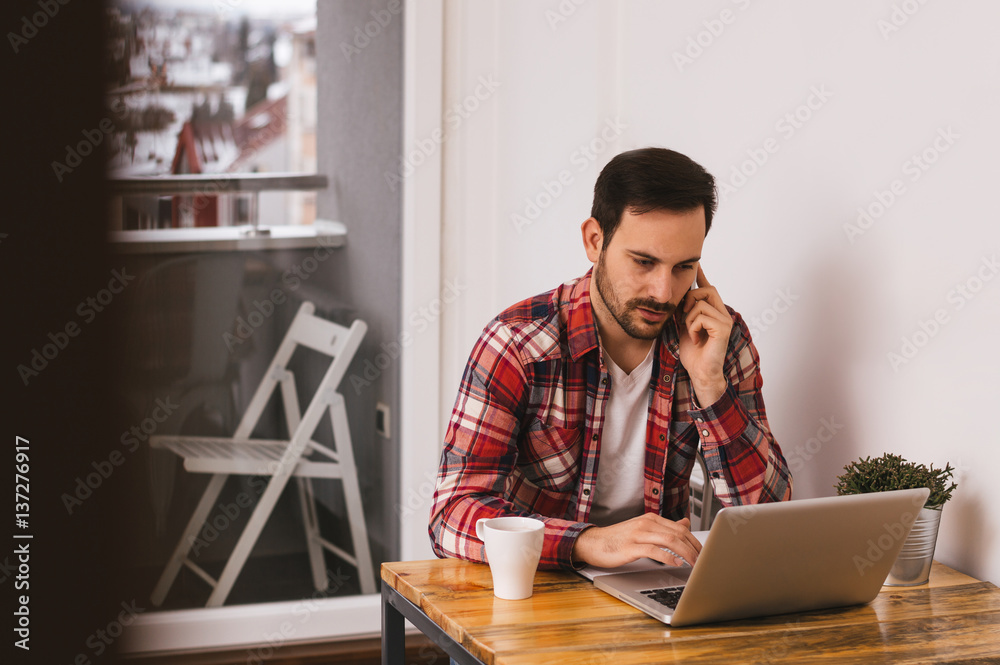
pixel 479 528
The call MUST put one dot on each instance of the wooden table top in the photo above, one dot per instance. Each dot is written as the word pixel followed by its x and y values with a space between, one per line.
pixel 952 618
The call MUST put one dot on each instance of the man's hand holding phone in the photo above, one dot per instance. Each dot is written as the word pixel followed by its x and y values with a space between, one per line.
pixel 704 328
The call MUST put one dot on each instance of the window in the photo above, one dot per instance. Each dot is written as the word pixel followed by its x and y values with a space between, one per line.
pixel 201 327
pixel 223 88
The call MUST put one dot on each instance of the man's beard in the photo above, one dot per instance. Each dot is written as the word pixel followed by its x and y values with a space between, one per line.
pixel 624 313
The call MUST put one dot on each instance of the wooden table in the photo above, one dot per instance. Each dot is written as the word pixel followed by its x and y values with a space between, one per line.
pixel 953 618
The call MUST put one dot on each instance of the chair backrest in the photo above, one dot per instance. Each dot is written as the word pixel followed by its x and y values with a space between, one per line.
pixel 702 497
pixel 319 335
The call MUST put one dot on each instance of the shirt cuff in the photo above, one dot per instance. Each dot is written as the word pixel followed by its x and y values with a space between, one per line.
pixel 564 549
pixel 721 422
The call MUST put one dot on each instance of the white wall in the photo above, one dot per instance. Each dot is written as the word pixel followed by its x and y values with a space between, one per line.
pixel 782 230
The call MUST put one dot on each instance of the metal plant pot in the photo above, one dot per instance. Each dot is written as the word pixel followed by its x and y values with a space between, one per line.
pixel 913 565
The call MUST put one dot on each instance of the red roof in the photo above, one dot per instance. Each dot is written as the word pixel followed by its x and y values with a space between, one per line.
pixel 217 147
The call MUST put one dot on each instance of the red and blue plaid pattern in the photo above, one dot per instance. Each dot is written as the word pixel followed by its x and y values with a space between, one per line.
pixel 525 434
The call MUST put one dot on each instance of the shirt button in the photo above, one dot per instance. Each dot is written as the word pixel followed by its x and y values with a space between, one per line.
pixel 666 378
pixel 662 437
pixel 604 382
pixel 701 420
pixel 595 437
pixel 655 491
pixel 586 492
pixel 704 432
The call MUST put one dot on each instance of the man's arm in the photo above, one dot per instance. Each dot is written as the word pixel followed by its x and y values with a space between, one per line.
pixel 480 455
pixel 745 463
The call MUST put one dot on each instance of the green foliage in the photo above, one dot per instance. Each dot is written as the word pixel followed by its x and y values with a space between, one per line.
pixel 892 472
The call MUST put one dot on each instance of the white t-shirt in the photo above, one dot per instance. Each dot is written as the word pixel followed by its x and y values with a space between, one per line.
pixel 618 495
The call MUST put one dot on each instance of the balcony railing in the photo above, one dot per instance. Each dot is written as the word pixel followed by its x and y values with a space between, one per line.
pixel 251 236
pixel 210 184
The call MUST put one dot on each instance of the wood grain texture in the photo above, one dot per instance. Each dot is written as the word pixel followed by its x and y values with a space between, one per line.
pixel 951 619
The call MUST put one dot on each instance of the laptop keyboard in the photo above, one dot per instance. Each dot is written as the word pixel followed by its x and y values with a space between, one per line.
pixel 668 596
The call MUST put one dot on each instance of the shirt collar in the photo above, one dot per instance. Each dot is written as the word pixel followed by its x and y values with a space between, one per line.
pixel 580 319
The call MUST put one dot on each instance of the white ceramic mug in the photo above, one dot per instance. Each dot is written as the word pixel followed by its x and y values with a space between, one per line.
pixel 513 547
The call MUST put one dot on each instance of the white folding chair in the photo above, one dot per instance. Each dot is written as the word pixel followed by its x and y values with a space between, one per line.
pixel 300 456
pixel 703 502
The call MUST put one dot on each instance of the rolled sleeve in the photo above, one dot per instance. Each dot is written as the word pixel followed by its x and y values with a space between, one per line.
pixel 721 422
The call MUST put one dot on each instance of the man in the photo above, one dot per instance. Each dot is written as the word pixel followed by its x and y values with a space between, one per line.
pixel 585 406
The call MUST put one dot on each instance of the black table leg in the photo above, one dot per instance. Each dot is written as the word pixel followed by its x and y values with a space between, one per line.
pixel 394 609
pixel 393 637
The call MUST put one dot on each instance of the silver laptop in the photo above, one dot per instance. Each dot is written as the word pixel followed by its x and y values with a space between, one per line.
pixel 775 558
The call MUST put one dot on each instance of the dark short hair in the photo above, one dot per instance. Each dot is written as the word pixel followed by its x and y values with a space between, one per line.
pixel 649 179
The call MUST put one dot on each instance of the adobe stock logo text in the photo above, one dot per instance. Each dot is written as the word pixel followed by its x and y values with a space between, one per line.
pixel 31 25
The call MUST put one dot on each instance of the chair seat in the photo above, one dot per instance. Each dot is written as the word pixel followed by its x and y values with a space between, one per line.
pixel 204 454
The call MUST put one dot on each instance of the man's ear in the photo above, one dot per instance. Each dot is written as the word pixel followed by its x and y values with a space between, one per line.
pixel 593 239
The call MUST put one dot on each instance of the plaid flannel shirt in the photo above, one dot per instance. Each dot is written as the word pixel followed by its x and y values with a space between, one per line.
pixel 525 434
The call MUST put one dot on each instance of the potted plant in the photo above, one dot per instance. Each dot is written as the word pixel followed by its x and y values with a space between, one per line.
pixel 892 472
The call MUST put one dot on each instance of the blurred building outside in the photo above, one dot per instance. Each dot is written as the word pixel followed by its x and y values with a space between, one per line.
pixel 197 92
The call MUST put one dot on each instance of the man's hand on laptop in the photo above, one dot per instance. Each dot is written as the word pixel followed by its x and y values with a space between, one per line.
pixel 648 535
